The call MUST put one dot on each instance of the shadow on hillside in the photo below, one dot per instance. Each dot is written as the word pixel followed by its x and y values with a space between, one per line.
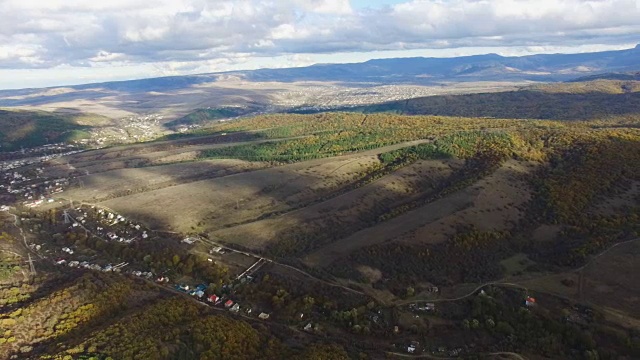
pixel 524 104
pixel 35 100
pixel 300 203
pixel 27 129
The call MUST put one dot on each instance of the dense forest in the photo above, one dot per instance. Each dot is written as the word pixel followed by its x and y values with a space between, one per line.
pixel 64 316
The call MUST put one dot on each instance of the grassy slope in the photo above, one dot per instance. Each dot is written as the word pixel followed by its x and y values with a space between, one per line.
pixel 562 189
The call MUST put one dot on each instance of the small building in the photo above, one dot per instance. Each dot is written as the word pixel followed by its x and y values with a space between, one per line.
pixel 199 293
pixel 530 301
pixel 189 240
pixel 235 307
pixel 213 299
pixel 308 327
pixel 411 349
pixel 228 303
pixel 263 316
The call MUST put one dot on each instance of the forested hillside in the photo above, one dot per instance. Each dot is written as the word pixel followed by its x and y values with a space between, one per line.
pixel 26 129
pixel 570 101
pixel 66 316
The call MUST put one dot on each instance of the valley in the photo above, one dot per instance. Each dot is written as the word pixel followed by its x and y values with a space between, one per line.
pixel 319 180
pixel 288 220
pixel 381 211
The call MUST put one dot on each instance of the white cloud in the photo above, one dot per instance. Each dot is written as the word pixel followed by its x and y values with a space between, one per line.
pixel 83 33
pixel 326 6
pixel 105 56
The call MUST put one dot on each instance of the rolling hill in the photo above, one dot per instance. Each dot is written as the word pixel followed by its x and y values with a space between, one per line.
pixel 26 129
pixel 491 225
pixel 590 100
pixel 196 91
pixel 359 232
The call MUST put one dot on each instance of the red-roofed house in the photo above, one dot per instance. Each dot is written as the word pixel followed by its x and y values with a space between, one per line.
pixel 212 299
pixel 228 303
pixel 530 301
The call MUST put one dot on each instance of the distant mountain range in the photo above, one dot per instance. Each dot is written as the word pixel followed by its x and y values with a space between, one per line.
pixel 490 67
pixel 419 70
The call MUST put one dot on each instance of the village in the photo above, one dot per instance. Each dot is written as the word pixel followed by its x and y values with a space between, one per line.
pixel 22 178
pixel 133 128
pixel 108 227
pixel 87 237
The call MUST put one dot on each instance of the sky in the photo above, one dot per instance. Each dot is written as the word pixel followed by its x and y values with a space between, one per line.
pixel 64 42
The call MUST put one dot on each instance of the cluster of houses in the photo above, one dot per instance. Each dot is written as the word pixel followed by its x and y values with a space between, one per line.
pixel 109 226
pixel 90 266
pixel 30 186
pixel 32 189
pixel 214 300
pixel 142 274
pixel 142 127
pixel 35 155
pixel 133 128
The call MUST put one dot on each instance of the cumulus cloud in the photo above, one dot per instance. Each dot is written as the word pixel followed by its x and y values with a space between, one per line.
pixel 197 33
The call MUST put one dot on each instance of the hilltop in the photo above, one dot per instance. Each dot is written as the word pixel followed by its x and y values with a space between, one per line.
pixel 319 87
